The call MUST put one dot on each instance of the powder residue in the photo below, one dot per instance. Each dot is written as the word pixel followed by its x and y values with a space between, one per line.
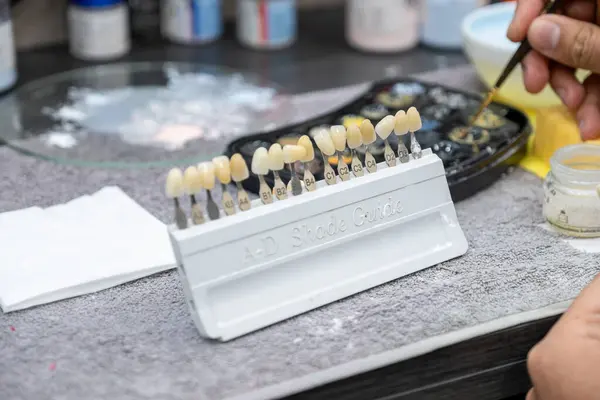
pixel 190 106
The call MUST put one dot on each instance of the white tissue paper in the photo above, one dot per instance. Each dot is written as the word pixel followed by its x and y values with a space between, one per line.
pixel 88 244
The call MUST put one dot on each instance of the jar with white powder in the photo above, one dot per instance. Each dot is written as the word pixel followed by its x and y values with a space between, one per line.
pixel 383 26
pixel 99 29
pixel 572 190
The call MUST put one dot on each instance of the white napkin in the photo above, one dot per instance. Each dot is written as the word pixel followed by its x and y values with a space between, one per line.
pixel 88 244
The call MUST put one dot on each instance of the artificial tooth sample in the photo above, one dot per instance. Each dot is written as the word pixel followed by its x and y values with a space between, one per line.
pixel 260 168
pixel 338 136
pixel 325 144
pixel 174 189
pixel 414 124
pixel 309 178
pixel 367 131
pixel 223 173
pixel 207 177
pixel 291 154
pixel 354 142
pixel 384 128
pixel 400 130
pixel 239 173
pixel 192 181
pixel 276 165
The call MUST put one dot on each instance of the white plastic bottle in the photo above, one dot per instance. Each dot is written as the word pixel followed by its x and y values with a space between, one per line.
pixel 99 29
pixel 191 21
pixel 8 71
pixel 442 21
pixel 382 26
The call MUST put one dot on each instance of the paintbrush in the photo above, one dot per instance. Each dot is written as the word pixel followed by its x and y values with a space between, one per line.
pixel 551 7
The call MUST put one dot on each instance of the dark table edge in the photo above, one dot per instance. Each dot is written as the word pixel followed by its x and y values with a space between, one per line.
pixel 491 366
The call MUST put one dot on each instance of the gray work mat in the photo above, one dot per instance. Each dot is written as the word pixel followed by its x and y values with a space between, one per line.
pixel 138 341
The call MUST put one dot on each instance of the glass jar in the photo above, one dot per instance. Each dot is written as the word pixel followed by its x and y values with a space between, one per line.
pixel 572 190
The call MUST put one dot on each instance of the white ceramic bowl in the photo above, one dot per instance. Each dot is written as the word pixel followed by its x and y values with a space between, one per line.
pixel 485 44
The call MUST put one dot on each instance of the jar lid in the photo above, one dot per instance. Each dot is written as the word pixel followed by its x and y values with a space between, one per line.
pixel 96 3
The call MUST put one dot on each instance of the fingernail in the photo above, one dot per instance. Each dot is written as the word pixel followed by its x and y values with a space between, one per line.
pixel 562 93
pixel 544 35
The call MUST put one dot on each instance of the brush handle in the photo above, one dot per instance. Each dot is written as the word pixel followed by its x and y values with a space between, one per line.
pixel 551 8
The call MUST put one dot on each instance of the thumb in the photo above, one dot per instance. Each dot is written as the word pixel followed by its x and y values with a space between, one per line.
pixel 568 41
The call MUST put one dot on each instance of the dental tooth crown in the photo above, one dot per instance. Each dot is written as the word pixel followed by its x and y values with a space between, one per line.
pixel 207 175
pixel 414 120
pixel 239 169
pixel 222 169
pixel 385 127
pixel 354 137
pixel 174 186
pixel 192 181
pixel 367 131
pixel 324 142
pixel 276 157
pixel 260 161
pixel 293 153
pixel 305 142
pixel 338 135
pixel 401 127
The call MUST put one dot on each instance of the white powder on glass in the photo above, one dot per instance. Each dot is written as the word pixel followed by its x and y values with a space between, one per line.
pixel 190 106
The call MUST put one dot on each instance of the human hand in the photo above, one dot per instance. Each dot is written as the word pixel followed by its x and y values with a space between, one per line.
pixel 562 43
pixel 565 364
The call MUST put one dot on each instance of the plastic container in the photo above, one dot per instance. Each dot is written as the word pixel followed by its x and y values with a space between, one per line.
pixel 8 70
pixel 99 29
pixel 572 191
pixel 267 24
pixel 191 21
pixel 382 26
pixel 441 20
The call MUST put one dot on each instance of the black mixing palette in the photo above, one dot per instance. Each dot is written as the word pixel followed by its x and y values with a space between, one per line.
pixel 474 157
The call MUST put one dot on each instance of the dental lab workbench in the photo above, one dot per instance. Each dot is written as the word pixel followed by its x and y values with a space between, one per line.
pixel 458 330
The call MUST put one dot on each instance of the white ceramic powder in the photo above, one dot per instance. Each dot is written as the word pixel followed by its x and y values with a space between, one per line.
pixel 190 106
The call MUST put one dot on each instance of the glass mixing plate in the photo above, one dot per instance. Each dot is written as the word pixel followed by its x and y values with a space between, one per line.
pixel 139 114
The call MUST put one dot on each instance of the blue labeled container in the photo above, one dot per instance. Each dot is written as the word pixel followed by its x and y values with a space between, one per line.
pixel 191 21
pixel 267 24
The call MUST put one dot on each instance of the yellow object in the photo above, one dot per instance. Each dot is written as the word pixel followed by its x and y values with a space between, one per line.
pixel 554 128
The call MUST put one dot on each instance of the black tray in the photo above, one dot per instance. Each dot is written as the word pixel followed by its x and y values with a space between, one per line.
pixel 472 163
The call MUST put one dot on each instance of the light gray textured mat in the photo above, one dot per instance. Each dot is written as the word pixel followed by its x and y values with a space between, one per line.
pixel 138 341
